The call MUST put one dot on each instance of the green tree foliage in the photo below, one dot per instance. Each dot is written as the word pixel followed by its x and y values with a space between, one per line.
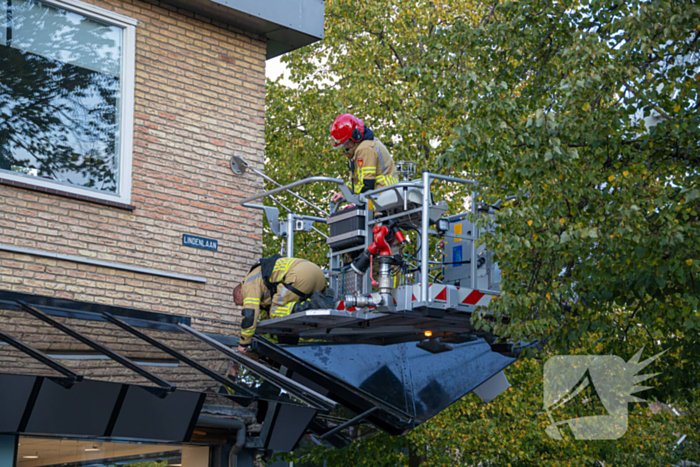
pixel 588 113
pixel 510 431
pixel 148 464
pixel 387 62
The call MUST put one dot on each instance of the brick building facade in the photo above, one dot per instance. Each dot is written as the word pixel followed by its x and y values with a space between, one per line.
pixel 199 97
pixel 118 120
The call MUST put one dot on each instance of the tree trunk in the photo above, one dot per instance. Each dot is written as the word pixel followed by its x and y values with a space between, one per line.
pixel 414 459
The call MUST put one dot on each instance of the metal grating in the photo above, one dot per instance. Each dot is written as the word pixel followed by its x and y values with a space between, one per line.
pixel 350 283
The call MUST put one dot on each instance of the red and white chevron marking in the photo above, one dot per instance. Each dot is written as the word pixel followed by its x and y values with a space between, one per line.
pixel 438 293
pixel 473 297
pixel 341 306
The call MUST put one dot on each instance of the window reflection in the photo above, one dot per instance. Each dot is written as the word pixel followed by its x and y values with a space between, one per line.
pixel 60 93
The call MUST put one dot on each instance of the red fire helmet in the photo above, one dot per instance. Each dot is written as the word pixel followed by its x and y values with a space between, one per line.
pixel 347 127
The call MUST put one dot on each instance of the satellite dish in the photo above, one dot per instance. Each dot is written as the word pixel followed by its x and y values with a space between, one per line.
pixel 238 164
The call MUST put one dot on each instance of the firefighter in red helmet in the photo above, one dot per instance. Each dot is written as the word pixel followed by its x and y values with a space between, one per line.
pixel 371 165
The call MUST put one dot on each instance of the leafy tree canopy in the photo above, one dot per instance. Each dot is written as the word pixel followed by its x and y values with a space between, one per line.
pixel 588 113
pixel 510 431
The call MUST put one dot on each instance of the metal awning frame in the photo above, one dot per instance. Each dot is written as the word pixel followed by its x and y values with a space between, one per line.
pixel 69 376
pixel 165 387
pixel 240 390
pixel 243 395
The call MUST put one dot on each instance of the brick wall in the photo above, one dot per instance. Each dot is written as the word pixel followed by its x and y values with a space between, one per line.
pixel 199 98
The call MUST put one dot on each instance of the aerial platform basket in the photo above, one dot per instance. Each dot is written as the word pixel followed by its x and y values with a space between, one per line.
pixel 396 354
pixel 470 278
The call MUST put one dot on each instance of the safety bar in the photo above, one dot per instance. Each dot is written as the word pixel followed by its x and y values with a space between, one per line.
pixel 371 193
pixel 311 218
pixel 290 215
pixel 460 215
pixel 269 179
pixel 303 217
pixel 305 181
pixel 453 179
pixel 496 205
pixel 275 229
pixel 427 180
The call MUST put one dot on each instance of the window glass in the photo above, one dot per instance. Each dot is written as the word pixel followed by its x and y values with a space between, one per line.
pixel 60 96
pixel 38 452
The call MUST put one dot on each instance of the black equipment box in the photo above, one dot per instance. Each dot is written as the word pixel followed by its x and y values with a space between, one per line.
pixel 347 228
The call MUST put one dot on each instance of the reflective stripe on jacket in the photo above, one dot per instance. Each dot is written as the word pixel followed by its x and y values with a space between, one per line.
pixel 372 161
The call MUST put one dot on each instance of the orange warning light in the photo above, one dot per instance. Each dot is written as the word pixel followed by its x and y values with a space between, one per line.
pixel 428 333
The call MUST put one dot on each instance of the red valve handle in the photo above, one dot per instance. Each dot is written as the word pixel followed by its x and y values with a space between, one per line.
pixel 380 245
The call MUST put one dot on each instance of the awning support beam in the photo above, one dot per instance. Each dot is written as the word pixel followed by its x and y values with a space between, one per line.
pixel 179 356
pixel 70 375
pixel 166 386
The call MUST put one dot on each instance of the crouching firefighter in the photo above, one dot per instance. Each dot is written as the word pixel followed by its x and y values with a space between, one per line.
pixel 281 286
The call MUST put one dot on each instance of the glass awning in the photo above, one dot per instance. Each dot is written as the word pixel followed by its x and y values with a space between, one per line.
pixel 109 362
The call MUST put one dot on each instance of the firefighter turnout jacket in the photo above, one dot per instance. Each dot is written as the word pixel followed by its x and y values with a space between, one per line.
pixel 371 166
pixel 275 284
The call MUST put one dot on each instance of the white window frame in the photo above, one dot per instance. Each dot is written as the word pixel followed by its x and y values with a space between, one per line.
pixel 127 78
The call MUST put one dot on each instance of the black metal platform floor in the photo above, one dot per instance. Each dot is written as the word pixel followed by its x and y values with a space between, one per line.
pixel 370 328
